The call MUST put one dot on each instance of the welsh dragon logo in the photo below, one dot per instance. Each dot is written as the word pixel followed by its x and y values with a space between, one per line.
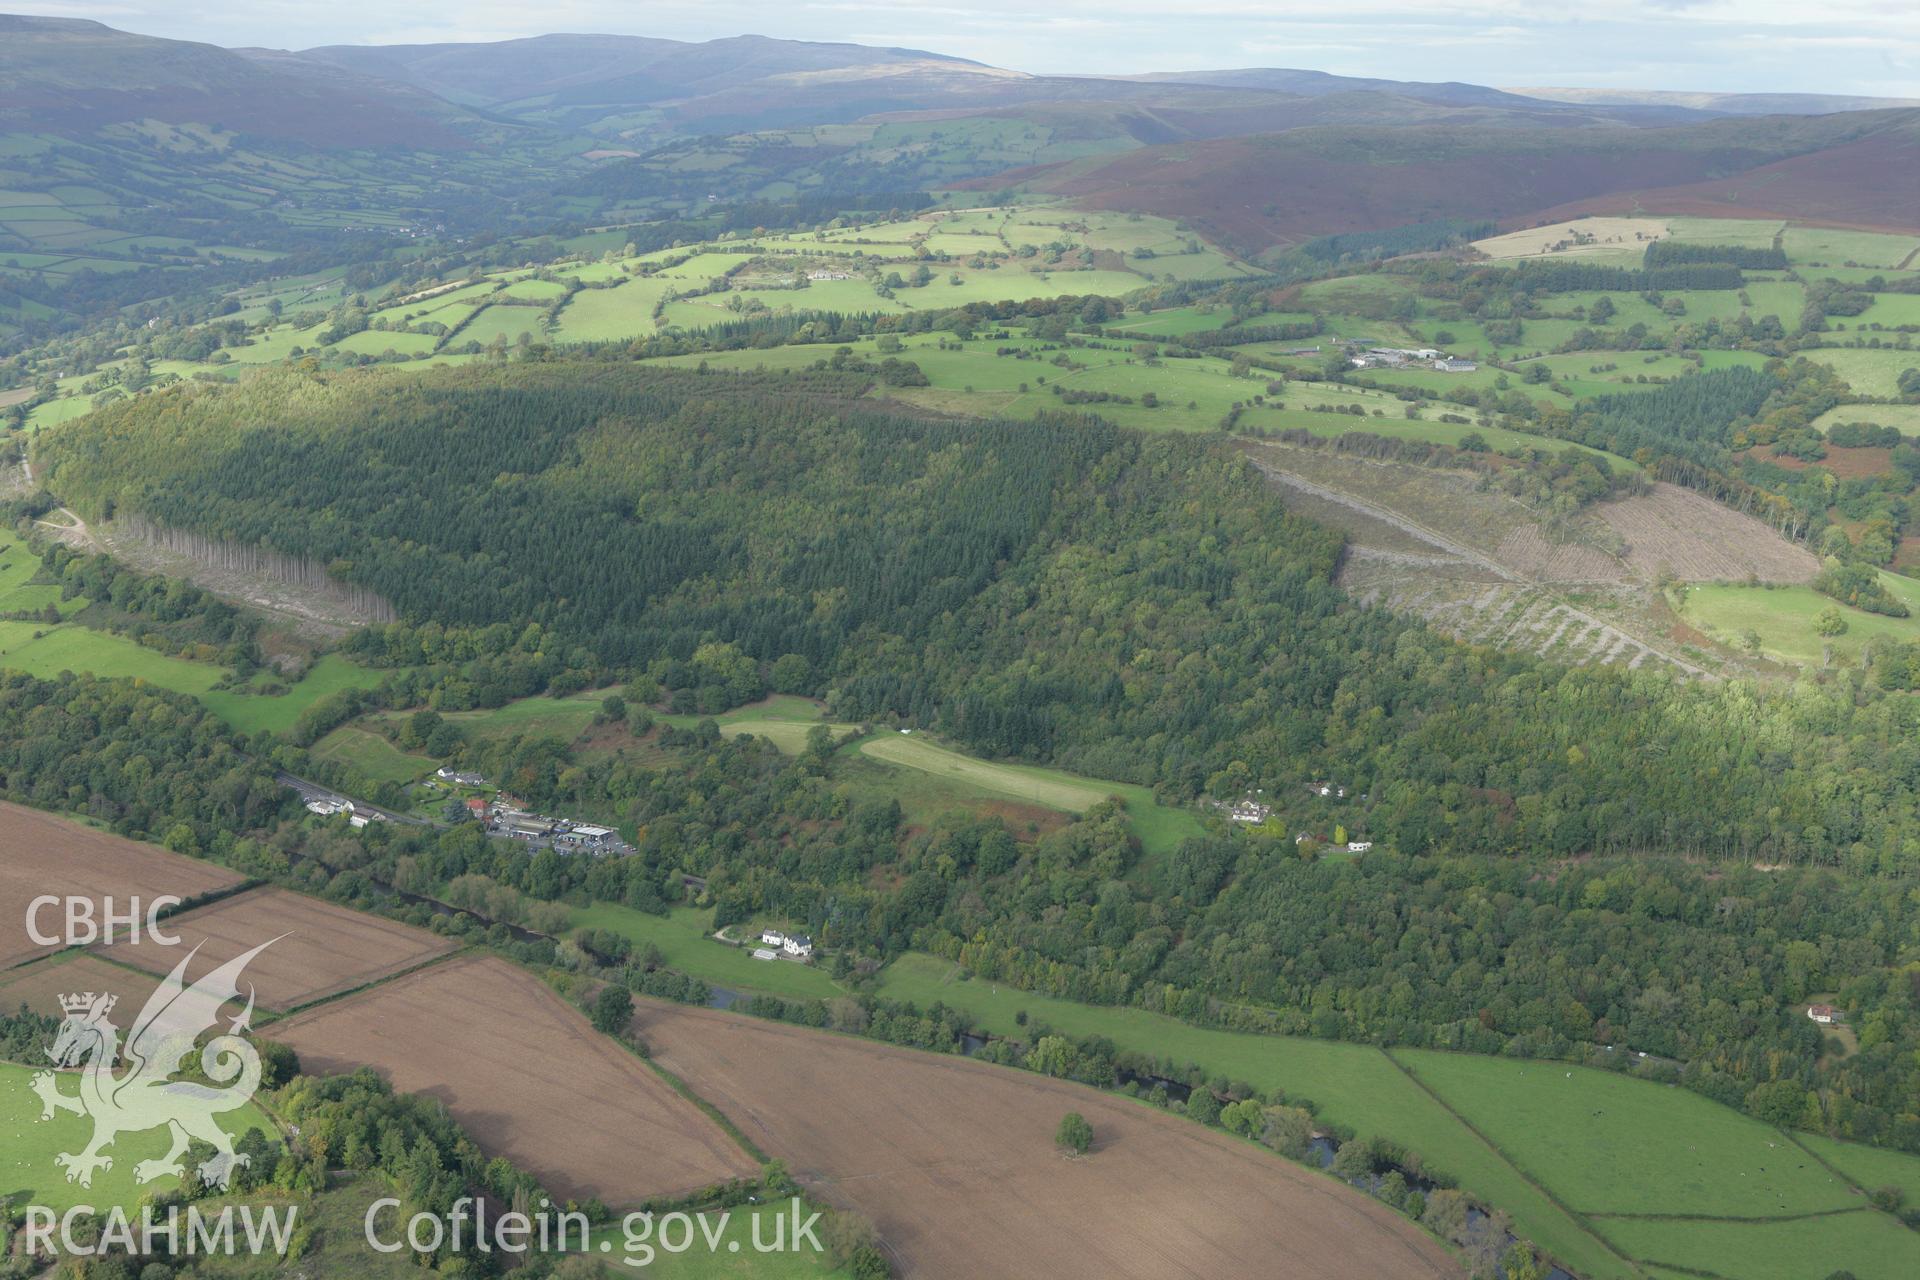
pixel 144 1096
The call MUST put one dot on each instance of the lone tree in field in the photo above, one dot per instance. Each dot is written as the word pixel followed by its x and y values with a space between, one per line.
pixel 1075 1135
pixel 613 1009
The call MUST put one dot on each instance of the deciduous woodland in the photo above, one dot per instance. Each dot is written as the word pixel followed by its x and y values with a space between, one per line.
pixel 1131 607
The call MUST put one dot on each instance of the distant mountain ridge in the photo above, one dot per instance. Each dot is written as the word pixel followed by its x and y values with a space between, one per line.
pixel 607 68
pixel 74 76
pixel 1725 104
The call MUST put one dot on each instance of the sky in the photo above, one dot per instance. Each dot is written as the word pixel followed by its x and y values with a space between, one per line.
pixel 1750 46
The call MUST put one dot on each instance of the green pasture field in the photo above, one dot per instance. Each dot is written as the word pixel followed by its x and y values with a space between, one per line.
pixel 253 712
pixel 850 296
pixel 1610 1144
pixel 783 719
pixel 45 651
pixel 537 290
pixel 503 322
pixel 55 412
pixel 1823 245
pixel 625 311
pixel 375 342
pixel 28 1174
pixel 593 272
pixel 1783 618
pixel 1356 293
pixel 18 564
pixel 685 938
pixel 1889 309
pixel 1205 265
pixel 1868 1167
pixel 1751 233
pixel 1871 371
pixel 276 344
pixel 372 755
pixel 1434 382
pixel 1160 827
pixel 1351 1084
pixel 1905 417
pixel 563 718
pixel 1869 1245
pixel 1331 425
pixel 1176 322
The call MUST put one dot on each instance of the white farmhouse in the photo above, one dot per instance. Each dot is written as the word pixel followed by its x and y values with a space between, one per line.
pixel 773 937
pixel 798 945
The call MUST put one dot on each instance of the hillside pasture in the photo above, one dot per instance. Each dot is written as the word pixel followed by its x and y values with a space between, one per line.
pixel 42 855
pixel 973 1185
pixel 1868 1167
pixel 315 948
pixel 1783 618
pixel 1612 1145
pixel 371 755
pixel 516 1066
pixel 1870 371
pixel 1591 238
pixel 601 315
pixel 1827 246
pixel 251 712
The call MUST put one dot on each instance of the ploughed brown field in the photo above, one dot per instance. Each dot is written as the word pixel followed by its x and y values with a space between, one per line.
pixel 954 1161
pixel 318 949
pixel 40 986
pixel 41 855
pixel 527 1076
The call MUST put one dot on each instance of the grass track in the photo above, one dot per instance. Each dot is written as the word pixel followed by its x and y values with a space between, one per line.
pixel 1159 826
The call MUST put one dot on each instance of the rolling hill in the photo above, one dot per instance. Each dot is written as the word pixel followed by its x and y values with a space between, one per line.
pixel 1252 192
pixel 73 76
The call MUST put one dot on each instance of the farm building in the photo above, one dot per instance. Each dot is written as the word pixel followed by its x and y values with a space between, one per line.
pixel 463 779
pixel 764 953
pixel 1823 1012
pixel 1450 364
pixel 1359 846
pixel 798 945
pixel 1249 811
pixel 773 937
